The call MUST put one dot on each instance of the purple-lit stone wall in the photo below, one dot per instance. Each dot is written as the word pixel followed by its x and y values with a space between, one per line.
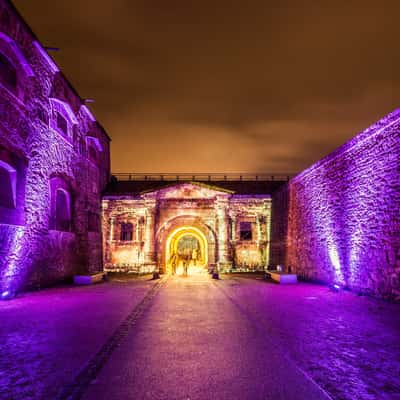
pixel 343 214
pixel 32 251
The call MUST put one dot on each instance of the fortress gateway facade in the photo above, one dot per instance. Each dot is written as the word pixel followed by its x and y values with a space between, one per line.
pixel 202 225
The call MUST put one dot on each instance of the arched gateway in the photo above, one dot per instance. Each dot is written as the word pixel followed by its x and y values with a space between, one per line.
pixel 186 239
pixel 186 246
pixel 186 223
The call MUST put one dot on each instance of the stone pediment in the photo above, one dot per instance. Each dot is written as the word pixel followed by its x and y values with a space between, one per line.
pixel 188 190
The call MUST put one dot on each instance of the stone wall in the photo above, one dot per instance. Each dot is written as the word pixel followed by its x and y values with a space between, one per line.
pixel 50 145
pixel 157 216
pixel 343 214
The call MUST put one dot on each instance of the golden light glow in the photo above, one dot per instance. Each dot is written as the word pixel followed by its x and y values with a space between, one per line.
pixel 173 240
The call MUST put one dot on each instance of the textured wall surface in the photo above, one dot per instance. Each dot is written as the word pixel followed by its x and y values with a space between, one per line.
pixel 336 222
pixel 343 214
pixel 156 215
pixel 73 156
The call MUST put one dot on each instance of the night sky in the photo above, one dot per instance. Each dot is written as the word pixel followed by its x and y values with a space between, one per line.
pixel 225 86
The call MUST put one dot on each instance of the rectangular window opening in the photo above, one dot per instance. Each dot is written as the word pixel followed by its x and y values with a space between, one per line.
pixel 245 231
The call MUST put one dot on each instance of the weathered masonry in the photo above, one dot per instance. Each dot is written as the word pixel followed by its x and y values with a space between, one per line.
pixel 54 164
pixel 336 222
pixel 339 220
pixel 205 224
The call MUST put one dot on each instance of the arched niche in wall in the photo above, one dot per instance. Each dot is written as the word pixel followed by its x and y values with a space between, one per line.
pixel 12 188
pixel 15 70
pixel 94 148
pixel 63 118
pixel 60 204
pixel 8 74
pixel 8 185
pixel 63 210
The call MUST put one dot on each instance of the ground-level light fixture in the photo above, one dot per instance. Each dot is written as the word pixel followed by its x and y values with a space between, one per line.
pixel 7 295
pixel 335 287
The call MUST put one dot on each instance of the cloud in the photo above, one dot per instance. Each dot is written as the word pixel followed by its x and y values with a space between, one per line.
pixel 227 85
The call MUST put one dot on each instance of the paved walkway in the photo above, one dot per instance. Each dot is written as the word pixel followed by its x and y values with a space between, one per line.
pixel 195 338
pixel 349 344
pixel 46 337
pixel 195 343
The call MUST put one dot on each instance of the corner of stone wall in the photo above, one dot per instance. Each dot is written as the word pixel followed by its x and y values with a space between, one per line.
pixel 279 226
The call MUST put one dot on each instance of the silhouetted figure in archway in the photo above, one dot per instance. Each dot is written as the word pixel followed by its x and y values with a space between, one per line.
pixel 187 256
pixel 194 257
pixel 174 261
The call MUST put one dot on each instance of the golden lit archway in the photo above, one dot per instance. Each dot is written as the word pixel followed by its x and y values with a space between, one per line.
pixel 186 244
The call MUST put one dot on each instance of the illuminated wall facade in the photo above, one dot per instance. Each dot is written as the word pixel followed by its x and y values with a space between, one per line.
pixel 54 163
pixel 336 222
pixel 343 220
pixel 141 232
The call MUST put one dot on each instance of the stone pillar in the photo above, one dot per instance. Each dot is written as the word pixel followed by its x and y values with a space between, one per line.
pixel 259 238
pixel 112 221
pixel 261 244
pixel 267 227
pixel 233 229
pixel 109 243
pixel 149 240
pixel 224 258
pixel 137 230
pixel 233 238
